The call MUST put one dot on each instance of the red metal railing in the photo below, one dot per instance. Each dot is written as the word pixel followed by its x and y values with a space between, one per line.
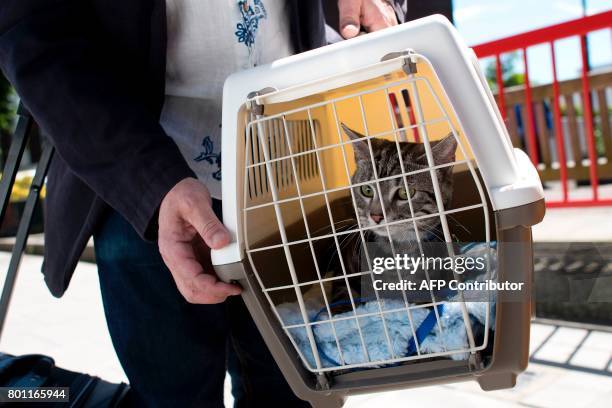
pixel 549 35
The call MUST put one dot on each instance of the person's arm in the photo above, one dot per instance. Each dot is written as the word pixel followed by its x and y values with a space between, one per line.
pixel 88 103
pixel 93 115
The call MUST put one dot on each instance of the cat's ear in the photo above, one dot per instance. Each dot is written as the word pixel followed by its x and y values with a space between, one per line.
pixel 443 151
pixel 362 151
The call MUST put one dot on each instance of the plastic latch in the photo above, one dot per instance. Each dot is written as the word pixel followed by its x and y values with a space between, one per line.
pixel 253 104
pixel 409 61
pixel 475 361
pixel 323 382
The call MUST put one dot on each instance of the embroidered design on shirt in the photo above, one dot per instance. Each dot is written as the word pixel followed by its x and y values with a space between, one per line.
pixel 251 14
pixel 209 157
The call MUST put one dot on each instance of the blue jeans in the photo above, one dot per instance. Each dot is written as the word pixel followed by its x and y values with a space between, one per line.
pixel 174 353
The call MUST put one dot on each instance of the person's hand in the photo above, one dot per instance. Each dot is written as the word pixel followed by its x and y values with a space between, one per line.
pixel 372 15
pixel 188 228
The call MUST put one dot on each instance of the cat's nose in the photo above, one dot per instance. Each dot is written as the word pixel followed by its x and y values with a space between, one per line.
pixel 377 218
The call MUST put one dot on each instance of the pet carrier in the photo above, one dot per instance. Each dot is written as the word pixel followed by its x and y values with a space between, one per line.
pixel 371 149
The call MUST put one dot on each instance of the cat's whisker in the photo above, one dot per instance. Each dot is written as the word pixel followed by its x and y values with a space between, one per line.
pixel 337 227
pixel 328 226
pixel 335 255
pixel 342 241
pixel 436 234
pixel 346 240
pixel 350 227
pixel 459 224
pixel 433 231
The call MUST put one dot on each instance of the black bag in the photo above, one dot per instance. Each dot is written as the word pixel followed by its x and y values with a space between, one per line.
pixel 34 370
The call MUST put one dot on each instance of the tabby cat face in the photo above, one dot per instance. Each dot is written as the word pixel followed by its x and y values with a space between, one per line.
pixel 395 197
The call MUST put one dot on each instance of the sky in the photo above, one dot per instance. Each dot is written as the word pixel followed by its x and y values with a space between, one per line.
pixel 484 20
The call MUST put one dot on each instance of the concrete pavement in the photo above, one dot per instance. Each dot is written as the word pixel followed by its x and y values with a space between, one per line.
pixel 571 367
pixel 590 224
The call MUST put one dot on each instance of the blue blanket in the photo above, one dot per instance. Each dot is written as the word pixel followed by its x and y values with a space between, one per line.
pixel 452 337
pixel 348 349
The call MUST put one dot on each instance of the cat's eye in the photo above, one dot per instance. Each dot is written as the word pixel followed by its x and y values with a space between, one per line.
pixel 403 195
pixel 367 191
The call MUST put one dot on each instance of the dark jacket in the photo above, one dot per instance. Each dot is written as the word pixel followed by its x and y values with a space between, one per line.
pixel 92 72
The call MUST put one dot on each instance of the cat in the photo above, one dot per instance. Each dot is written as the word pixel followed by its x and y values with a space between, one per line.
pixel 395 198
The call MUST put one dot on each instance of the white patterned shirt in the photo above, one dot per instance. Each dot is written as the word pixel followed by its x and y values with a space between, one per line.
pixel 208 41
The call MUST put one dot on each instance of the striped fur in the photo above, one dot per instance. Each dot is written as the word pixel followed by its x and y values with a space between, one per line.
pixel 384 157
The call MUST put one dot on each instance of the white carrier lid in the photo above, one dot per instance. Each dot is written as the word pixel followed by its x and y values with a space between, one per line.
pixel 509 176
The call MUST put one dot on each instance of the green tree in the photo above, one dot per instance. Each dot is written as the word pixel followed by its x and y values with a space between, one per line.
pixel 8 105
pixel 8 109
pixel 510 75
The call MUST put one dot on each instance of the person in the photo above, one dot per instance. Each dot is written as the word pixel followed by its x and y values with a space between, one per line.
pixel 129 94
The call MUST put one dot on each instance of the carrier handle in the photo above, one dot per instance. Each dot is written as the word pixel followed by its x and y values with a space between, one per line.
pixel 389 63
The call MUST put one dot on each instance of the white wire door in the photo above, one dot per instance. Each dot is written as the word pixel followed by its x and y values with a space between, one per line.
pixel 290 190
